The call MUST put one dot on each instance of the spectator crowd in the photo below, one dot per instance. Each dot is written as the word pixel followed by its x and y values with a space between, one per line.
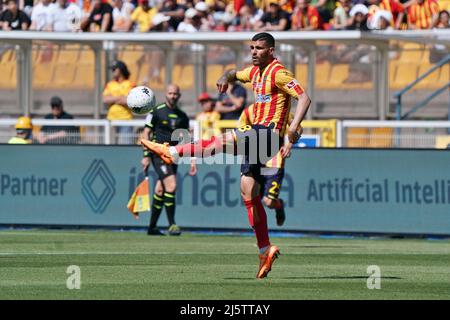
pixel 221 15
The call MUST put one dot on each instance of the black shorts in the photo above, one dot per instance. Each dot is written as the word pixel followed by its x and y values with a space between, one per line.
pixel 257 144
pixel 270 181
pixel 163 170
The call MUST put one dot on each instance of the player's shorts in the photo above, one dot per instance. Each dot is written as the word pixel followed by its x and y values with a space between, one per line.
pixel 270 181
pixel 163 170
pixel 257 144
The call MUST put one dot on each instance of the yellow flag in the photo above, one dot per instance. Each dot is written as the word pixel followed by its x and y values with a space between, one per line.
pixel 140 199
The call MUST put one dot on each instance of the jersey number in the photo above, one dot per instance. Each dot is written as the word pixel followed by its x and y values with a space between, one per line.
pixel 245 128
pixel 275 187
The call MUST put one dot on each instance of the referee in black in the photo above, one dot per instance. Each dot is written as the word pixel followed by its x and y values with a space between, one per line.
pixel 162 121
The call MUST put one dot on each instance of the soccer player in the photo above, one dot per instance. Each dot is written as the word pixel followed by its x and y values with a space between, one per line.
pixel 272 178
pixel 166 118
pixel 273 86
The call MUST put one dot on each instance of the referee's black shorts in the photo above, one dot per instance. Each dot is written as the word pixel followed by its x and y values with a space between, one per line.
pixel 163 170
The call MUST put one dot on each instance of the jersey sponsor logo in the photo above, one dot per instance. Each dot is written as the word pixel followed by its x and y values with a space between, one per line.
pixel 263 98
pixel 292 84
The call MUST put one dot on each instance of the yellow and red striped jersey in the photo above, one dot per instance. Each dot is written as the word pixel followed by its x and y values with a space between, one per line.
pixel 421 14
pixel 273 88
pixel 247 118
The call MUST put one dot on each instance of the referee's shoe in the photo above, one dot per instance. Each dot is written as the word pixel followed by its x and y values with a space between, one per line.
pixel 174 230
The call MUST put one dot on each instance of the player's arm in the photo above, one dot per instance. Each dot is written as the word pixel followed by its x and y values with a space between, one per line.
pixel 232 75
pixel 295 128
pixel 285 81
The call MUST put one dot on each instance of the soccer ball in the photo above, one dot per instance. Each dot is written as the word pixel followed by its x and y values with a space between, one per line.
pixel 141 100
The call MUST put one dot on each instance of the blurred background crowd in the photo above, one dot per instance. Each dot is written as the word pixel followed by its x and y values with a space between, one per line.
pixel 221 15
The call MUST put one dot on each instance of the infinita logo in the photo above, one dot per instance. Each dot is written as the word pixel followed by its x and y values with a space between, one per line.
pixel 98 186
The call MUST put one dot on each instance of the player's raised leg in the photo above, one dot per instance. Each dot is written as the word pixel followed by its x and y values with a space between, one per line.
pixel 202 148
pixel 258 221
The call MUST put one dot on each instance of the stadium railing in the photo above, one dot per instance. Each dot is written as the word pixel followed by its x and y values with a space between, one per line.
pixel 332 133
pixel 393 134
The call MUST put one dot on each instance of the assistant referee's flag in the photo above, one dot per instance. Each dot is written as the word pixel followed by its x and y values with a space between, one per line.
pixel 140 199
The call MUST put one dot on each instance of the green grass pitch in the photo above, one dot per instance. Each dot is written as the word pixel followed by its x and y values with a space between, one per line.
pixel 132 265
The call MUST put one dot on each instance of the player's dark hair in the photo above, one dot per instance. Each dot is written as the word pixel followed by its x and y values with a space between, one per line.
pixel 264 36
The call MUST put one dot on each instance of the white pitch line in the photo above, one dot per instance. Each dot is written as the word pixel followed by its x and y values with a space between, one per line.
pixel 115 253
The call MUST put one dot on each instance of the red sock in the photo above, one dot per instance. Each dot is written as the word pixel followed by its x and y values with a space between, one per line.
pixel 258 221
pixel 196 149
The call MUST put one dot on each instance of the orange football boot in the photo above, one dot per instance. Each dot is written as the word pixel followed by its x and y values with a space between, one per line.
pixel 266 260
pixel 160 149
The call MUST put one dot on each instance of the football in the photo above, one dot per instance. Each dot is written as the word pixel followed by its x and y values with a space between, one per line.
pixel 141 100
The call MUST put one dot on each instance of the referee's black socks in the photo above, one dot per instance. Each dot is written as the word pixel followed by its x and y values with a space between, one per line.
pixel 169 203
pixel 157 207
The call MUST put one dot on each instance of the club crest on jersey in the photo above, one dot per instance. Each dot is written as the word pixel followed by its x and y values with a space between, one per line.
pixel 263 98
pixel 292 84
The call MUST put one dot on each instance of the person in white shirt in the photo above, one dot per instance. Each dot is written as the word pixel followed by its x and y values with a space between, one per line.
pixel 41 17
pixel 122 10
pixel 66 17
pixel 191 23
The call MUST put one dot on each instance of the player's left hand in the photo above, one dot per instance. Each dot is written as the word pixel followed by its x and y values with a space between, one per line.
pixel 294 135
pixel 286 150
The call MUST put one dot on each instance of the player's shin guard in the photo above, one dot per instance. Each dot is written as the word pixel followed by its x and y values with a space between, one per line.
pixel 157 207
pixel 197 149
pixel 258 221
pixel 169 203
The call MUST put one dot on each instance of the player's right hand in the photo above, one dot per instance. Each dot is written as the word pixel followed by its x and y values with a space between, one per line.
pixel 222 85
pixel 145 162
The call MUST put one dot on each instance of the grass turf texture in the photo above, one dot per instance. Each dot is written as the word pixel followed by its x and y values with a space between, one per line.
pixel 132 265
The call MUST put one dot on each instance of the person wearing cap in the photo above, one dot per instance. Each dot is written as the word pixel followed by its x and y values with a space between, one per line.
pixel 99 18
pixel 191 23
pixel 275 19
pixel 58 134
pixel 207 20
pixel 208 117
pixel 160 23
pixel 142 16
pixel 115 97
pixel 359 14
pixel 306 17
pixel 13 18
pixel 24 127
pixel 394 7
pixel 382 20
